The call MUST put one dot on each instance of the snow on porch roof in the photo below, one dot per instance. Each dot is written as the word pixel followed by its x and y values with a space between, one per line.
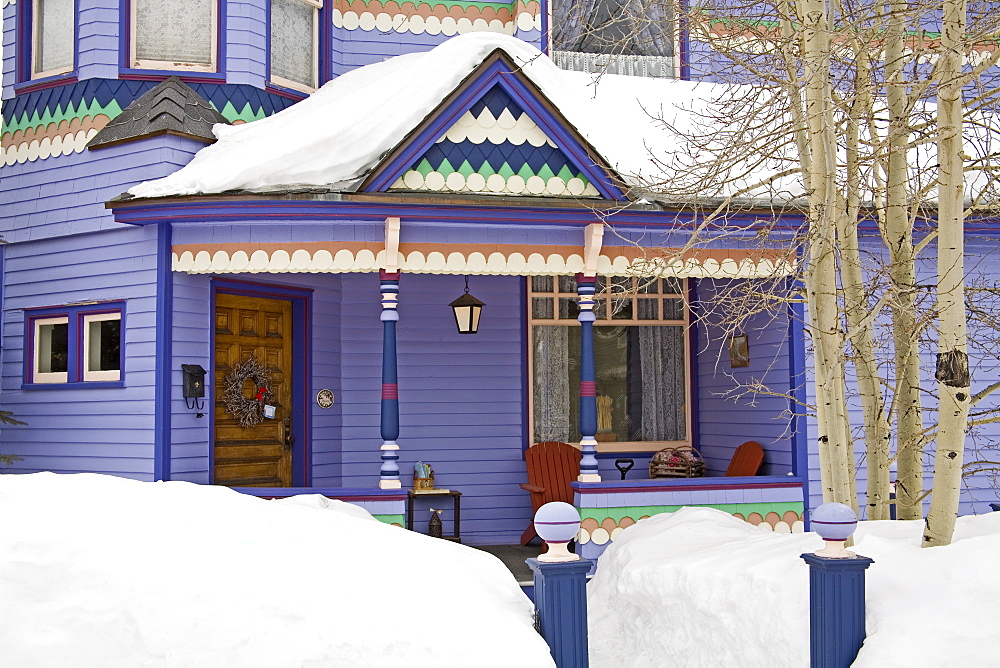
pixel 481 259
pixel 345 129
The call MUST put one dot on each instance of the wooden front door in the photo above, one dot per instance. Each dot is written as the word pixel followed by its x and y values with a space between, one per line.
pixel 259 455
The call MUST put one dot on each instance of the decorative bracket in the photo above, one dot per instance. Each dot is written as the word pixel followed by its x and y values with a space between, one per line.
pixel 392 245
pixel 593 239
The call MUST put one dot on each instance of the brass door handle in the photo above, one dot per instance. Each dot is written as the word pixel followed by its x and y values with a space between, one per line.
pixel 287 437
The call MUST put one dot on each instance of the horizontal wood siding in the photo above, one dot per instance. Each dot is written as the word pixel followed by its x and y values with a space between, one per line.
pixel 97 43
pixel 724 423
pixel 460 396
pixel 9 12
pixel 66 194
pixel 104 430
pixel 246 43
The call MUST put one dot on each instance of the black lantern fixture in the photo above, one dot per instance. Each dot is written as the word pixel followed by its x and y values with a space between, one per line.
pixel 467 311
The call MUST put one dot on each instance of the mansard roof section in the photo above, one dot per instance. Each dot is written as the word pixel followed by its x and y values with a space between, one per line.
pixel 497 134
pixel 170 107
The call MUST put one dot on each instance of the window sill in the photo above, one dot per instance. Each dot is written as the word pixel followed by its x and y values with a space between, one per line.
pixel 284 91
pixel 77 385
pixel 45 82
pixel 187 76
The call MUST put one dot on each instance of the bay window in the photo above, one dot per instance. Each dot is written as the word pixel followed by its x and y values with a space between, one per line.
pixel 294 43
pixel 52 30
pixel 174 34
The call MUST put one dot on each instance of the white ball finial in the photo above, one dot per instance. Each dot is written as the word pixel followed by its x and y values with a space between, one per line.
pixel 557 523
pixel 835 523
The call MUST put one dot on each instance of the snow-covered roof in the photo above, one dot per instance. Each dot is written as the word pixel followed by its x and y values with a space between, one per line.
pixel 342 131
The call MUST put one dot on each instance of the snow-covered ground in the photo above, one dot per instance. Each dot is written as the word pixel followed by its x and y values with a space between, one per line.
pixel 105 572
pixel 701 588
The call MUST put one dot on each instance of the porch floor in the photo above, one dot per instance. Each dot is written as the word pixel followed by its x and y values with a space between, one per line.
pixel 513 557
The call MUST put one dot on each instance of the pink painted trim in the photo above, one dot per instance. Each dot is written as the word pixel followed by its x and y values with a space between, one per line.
pixel 588 388
pixel 390 390
pixel 686 488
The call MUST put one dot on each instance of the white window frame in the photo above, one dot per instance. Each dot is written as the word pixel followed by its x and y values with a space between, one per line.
pixel 38 376
pixel 85 320
pixel 317 5
pixel 608 297
pixel 39 74
pixel 154 64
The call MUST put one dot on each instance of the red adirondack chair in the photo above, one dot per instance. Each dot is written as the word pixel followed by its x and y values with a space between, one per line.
pixel 552 466
pixel 746 460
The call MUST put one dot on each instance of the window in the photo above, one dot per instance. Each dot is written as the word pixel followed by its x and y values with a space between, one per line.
pixel 640 355
pixel 635 37
pixel 174 34
pixel 74 344
pixel 52 28
pixel 294 35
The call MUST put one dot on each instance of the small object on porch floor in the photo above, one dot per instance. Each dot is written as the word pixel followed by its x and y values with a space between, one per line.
pixel 456 496
pixel 552 466
pixel 746 460
pixel 624 465
pixel 682 462
pixel 434 527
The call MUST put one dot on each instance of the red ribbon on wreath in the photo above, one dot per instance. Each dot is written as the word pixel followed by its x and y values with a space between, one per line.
pixel 261 391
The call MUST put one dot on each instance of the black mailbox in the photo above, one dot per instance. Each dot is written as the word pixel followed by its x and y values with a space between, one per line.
pixel 193 382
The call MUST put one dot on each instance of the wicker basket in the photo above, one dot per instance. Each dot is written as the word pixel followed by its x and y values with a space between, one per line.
pixel 677 463
pixel 423 483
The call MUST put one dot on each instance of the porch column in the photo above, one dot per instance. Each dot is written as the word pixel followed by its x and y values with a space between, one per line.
pixel 389 473
pixel 585 288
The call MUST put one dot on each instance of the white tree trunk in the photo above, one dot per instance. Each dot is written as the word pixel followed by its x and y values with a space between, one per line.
pixel 953 362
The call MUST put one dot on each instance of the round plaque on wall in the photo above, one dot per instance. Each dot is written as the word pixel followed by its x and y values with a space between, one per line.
pixel 324 398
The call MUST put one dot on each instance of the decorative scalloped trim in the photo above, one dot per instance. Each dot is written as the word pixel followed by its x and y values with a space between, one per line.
pixel 495 184
pixel 438 19
pixel 558 261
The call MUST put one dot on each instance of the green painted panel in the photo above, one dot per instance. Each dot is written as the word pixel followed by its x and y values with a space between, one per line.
pixel 391 519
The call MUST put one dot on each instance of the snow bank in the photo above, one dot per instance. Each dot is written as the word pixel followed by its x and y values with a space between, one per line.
pixel 104 571
pixel 701 588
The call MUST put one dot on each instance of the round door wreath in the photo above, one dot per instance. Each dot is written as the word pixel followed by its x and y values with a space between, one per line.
pixel 248 412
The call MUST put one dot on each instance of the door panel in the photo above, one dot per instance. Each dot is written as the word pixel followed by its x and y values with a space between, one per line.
pixel 260 455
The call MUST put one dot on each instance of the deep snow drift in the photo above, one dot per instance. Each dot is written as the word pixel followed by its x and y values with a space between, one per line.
pixel 701 588
pixel 104 571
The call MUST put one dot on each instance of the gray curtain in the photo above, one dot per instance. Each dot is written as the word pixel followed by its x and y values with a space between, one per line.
pixel 661 354
pixel 570 22
pixel 551 391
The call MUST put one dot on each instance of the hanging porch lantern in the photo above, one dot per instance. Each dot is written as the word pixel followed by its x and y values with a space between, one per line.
pixel 467 311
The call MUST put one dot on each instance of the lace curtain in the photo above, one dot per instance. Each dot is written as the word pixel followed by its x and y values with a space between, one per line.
pixel 176 31
pixel 661 362
pixel 631 27
pixel 292 41
pixel 54 35
pixel 551 390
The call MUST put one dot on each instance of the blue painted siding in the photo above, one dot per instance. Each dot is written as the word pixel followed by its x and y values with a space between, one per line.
pixel 246 43
pixel 460 396
pixel 97 42
pixel 88 429
pixel 724 423
pixel 66 194
pixel 9 12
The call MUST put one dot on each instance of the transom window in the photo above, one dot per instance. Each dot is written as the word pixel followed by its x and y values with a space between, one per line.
pixel 74 344
pixel 52 28
pixel 640 355
pixel 294 39
pixel 174 34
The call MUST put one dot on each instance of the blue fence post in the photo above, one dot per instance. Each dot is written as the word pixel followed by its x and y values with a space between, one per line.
pixel 561 606
pixel 836 590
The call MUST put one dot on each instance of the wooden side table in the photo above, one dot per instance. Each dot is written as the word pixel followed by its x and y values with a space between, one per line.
pixel 456 498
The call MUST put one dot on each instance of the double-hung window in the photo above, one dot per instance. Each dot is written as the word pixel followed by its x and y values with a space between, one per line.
pixel 52 37
pixel 641 362
pixel 294 42
pixel 74 344
pixel 174 34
